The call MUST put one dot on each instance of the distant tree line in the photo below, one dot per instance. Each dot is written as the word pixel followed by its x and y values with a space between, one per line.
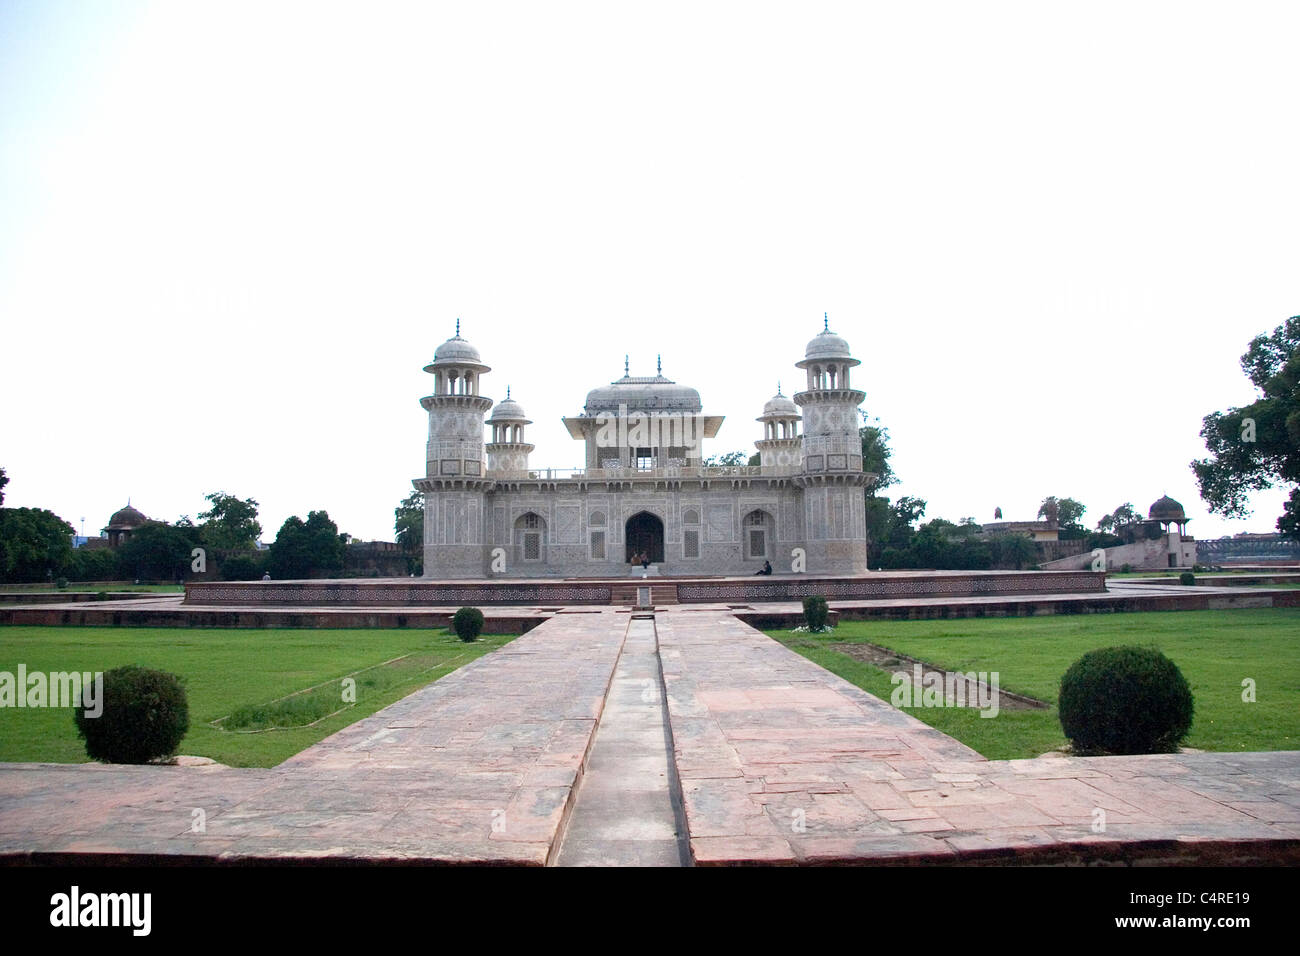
pixel 36 545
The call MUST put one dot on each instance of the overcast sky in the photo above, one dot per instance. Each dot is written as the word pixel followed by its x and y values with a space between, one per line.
pixel 232 234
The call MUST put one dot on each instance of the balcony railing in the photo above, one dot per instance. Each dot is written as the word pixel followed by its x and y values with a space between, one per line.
pixel 619 474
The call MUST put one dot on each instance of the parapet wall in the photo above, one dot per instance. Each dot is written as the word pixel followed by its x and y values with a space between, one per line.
pixel 406 592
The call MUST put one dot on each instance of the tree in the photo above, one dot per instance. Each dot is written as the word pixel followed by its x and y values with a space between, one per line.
pixel 157 551
pixel 1013 549
pixel 35 544
pixel 881 519
pixel 875 456
pixel 730 459
pixel 1257 446
pixel 1124 514
pixel 229 524
pixel 303 547
pixel 891 526
pixel 1066 512
pixel 408 522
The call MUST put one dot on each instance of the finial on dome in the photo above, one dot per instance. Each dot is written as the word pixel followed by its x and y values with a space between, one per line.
pixel 778 388
pixel 826 322
pixel 507 393
pixel 625 366
pixel 458 325
pixel 659 364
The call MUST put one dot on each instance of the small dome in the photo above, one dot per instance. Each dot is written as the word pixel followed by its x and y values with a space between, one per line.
pixel 1166 509
pixel 778 406
pixel 456 351
pixel 827 345
pixel 508 410
pixel 128 517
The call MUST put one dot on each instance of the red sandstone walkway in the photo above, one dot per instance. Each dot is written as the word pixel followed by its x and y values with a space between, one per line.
pixel 783 762
pixel 478 768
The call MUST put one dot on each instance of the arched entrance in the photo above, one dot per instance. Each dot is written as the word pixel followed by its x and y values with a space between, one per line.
pixel 644 535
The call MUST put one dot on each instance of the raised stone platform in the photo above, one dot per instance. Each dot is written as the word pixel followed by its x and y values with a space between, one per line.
pixel 413 593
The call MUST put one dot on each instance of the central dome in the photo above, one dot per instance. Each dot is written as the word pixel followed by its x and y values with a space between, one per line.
pixel 642 394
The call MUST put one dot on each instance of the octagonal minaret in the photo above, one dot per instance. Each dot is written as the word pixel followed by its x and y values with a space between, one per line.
pixel 454 482
pixel 780 450
pixel 831 473
pixel 508 451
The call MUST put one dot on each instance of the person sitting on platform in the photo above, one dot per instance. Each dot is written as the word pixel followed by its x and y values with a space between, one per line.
pixel 765 569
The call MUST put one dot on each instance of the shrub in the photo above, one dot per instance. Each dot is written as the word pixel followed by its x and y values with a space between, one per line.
pixel 1187 577
pixel 1125 700
pixel 61 584
pixel 815 613
pixel 145 716
pixel 1126 567
pixel 468 623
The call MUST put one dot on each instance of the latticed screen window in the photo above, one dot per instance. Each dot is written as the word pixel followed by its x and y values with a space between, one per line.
pixel 598 546
pixel 690 543
pixel 757 544
pixel 532 546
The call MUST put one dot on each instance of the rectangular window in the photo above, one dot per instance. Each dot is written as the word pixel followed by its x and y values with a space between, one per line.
pixel 645 459
pixel 690 543
pixel 598 546
pixel 757 544
pixel 532 546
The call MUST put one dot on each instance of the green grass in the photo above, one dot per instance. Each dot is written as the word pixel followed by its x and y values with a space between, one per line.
pixel 1215 650
pixel 246 673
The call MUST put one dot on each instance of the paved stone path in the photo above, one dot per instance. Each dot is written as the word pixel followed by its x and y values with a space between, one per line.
pixel 783 762
pixel 628 806
pixel 478 767
pixel 779 761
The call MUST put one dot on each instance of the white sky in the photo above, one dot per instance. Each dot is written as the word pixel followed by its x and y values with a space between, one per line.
pixel 232 234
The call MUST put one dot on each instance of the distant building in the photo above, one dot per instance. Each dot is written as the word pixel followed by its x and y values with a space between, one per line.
pixel 123 524
pixel 1159 542
pixel 643 493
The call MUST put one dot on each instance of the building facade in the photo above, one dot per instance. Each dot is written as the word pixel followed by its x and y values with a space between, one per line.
pixel 643 492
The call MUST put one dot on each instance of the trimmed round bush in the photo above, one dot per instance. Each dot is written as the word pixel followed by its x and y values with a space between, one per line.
pixel 1187 577
pixel 468 623
pixel 145 717
pixel 815 613
pixel 1125 700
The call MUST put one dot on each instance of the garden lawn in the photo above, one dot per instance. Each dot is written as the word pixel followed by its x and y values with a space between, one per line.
pixel 1215 650
pixel 227 671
